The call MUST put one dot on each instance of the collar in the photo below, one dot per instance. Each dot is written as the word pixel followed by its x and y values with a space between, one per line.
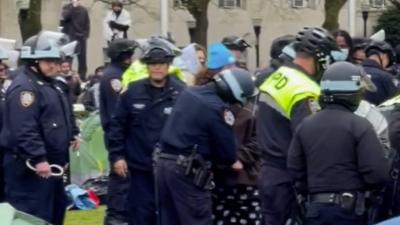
pixel 37 76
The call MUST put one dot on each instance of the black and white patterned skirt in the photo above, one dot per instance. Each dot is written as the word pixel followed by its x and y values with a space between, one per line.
pixel 238 205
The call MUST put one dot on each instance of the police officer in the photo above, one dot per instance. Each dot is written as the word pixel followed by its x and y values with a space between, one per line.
pixel 380 56
pixel 3 78
pixel 281 52
pixel 237 46
pixel 36 133
pixel 286 97
pixel 198 132
pixel 120 52
pixel 140 114
pixel 336 147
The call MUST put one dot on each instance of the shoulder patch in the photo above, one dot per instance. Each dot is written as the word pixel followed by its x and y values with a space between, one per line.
pixel 229 117
pixel 116 85
pixel 313 105
pixel 27 98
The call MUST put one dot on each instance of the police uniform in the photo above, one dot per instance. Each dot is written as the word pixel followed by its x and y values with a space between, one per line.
pixel 200 123
pixel 37 126
pixel 110 86
pixel 335 155
pixel 286 97
pixel 136 127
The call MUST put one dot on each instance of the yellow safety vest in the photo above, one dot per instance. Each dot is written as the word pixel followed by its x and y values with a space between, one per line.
pixel 287 86
pixel 393 101
pixel 138 71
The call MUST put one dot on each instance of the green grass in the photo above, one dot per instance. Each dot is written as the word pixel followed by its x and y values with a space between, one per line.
pixel 90 217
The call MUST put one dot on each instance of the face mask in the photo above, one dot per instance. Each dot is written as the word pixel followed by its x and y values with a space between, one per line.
pixel 338 56
pixel 345 51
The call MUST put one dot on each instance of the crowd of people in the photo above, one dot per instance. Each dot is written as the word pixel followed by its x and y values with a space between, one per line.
pixel 195 137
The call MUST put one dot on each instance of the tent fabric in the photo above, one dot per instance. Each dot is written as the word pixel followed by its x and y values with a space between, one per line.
pixel 92 159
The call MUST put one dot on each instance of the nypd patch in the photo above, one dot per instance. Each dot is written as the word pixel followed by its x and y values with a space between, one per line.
pixel 27 98
pixel 116 85
pixel 229 117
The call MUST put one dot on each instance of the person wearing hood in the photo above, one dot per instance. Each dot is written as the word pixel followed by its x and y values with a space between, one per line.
pixel 116 23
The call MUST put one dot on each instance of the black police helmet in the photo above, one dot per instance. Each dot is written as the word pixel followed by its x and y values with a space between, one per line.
pixel 119 47
pixel 344 83
pixel 157 54
pixel 279 44
pixel 235 43
pixel 315 41
pixel 235 85
pixel 376 47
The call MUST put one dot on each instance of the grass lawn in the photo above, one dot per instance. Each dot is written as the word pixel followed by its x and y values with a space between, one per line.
pixel 90 217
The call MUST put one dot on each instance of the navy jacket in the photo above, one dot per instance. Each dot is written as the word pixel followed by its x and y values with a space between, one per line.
pixel 335 150
pixel 37 119
pixel 139 116
pixel 110 86
pixel 383 81
pixel 198 120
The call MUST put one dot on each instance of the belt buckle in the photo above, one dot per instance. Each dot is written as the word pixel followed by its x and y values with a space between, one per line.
pixel 347 200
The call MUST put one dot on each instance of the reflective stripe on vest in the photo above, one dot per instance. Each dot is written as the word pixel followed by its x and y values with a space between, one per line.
pixel 390 102
pixel 286 87
pixel 138 71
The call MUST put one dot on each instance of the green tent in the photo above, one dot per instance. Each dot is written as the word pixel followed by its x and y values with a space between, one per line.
pixel 10 216
pixel 91 160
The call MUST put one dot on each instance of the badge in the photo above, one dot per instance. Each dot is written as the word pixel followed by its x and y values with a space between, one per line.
pixel 139 106
pixel 167 110
pixel 229 117
pixel 26 98
pixel 116 85
pixel 313 105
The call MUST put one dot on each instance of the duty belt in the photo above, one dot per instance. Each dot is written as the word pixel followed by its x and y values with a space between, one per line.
pixel 354 201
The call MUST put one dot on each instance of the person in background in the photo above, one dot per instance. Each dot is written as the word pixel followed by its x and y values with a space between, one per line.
pixel 201 54
pixel 75 22
pixel 237 45
pixel 117 22
pixel 71 78
pixel 219 58
pixel 380 56
pixel 358 54
pixel 91 95
pixel 344 42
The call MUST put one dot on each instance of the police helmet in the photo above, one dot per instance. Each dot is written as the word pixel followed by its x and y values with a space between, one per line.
pixel 278 44
pixel 315 41
pixel 344 83
pixel 121 46
pixel 376 47
pixel 157 53
pixel 45 45
pixel 167 42
pixel 3 54
pixel 360 43
pixel 69 50
pixel 235 85
pixel 235 43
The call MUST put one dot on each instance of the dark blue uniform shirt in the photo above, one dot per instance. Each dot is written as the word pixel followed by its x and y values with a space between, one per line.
pixel 198 120
pixel 139 116
pixel 37 121
pixel 110 86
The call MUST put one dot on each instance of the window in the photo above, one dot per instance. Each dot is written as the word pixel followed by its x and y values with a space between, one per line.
pixel 232 4
pixel 377 3
pixel 299 3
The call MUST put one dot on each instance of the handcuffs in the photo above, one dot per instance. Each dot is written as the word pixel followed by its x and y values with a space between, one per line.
pixel 52 166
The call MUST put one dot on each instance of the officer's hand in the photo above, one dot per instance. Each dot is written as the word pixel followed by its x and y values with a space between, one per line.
pixel 76 143
pixel 43 169
pixel 121 168
pixel 237 166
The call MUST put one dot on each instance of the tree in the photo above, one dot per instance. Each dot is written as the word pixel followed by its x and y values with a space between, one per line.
pixel 199 10
pixel 30 19
pixel 332 10
pixel 389 21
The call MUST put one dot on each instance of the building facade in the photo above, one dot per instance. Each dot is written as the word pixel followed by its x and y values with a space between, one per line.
pixel 226 17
